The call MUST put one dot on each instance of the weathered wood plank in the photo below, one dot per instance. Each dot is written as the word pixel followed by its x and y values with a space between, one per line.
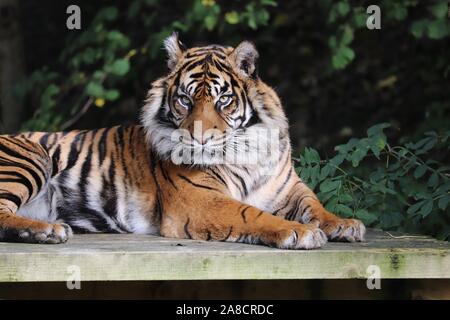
pixel 139 257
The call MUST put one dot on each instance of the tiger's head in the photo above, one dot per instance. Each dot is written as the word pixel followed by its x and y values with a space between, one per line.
pixel 212 108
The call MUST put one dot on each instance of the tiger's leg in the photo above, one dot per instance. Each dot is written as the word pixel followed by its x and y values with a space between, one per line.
pixel 25 168
pixel 301 204
pixel 210 216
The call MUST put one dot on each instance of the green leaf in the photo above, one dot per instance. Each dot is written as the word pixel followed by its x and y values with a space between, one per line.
pixel 400 13
pixel 343 8
pixel 345 198
pixel 252 23
pixel 305 173
pixel 347 36
pixel 262 16
pixel 440 9
pixel 348 53
pixel 337 160
pixel 415 207
pixel 271 3
pixel 391 220
pixel 443 202
pixel 232 17
pixel 98 75
pixel 108 13
pixel 325 172
pixel 311 155
pixel 112 94
pixel 433 181
pixel 438 29
pixel 425 210
pixel 343 210
pixel 332 42
pixel 120 67
pixel 210 22
pixel 357 156
pixel 419 27
pixel 360 20
pixel 366 217
pixel 420 171
pixel 94 89
pixel 339 61
pixel 329 185
pixel 377 129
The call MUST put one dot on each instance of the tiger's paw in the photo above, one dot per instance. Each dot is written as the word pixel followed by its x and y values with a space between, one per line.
pixel 46 233
pixel 298 236
pixel 348 230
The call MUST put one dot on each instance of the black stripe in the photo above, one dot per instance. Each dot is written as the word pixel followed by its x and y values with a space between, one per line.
pixel 159 208
pixel 44 139
pixel 84 174
pixel 242 188
pixel 102 146
pixel 17 155
pixel 196 184
pixel 186 229
pixel 228 235
pixel 32 172
pixel 55 161
pixel 243 214
pixel 259 214
pixel 21 143
pixel 11 197
pixel 77 141
pixel 288 201
pixel 285 181
pixel 20 178
pixel 120 147
pixel 218 176
pixel 167 177
pixel 293 213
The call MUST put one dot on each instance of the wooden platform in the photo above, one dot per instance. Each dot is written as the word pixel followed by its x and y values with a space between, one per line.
pixel 139 257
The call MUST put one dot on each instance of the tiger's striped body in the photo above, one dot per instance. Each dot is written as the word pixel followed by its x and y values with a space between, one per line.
pixel 123 179
pixel 96 181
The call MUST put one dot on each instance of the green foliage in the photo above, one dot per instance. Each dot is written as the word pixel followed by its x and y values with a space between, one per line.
pixel 392 187
pixel 348 19
pixel 97 61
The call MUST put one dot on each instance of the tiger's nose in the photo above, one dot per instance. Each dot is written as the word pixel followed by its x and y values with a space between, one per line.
pixel 203 139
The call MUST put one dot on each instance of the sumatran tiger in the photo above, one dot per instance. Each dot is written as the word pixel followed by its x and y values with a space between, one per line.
pixel 211 160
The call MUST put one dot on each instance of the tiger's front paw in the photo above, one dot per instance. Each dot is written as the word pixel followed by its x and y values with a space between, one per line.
pixel 46 233
pixel 349 230
pixel 296 236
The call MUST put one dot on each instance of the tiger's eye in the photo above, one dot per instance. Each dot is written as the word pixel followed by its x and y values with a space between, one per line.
pixel 224 100
pixel 184 101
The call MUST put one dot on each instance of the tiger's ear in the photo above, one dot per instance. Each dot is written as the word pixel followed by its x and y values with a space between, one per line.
pixel 174 48
pixel 245 57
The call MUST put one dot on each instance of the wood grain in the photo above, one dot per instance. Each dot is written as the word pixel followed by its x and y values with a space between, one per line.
pixel 106 257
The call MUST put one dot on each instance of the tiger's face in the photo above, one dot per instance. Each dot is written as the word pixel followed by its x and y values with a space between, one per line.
pixel 212 108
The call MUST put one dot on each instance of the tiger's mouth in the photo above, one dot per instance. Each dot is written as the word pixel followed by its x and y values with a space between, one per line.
pixel 241 147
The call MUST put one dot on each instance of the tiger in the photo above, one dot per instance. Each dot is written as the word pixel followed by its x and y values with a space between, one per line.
pixel 164 176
